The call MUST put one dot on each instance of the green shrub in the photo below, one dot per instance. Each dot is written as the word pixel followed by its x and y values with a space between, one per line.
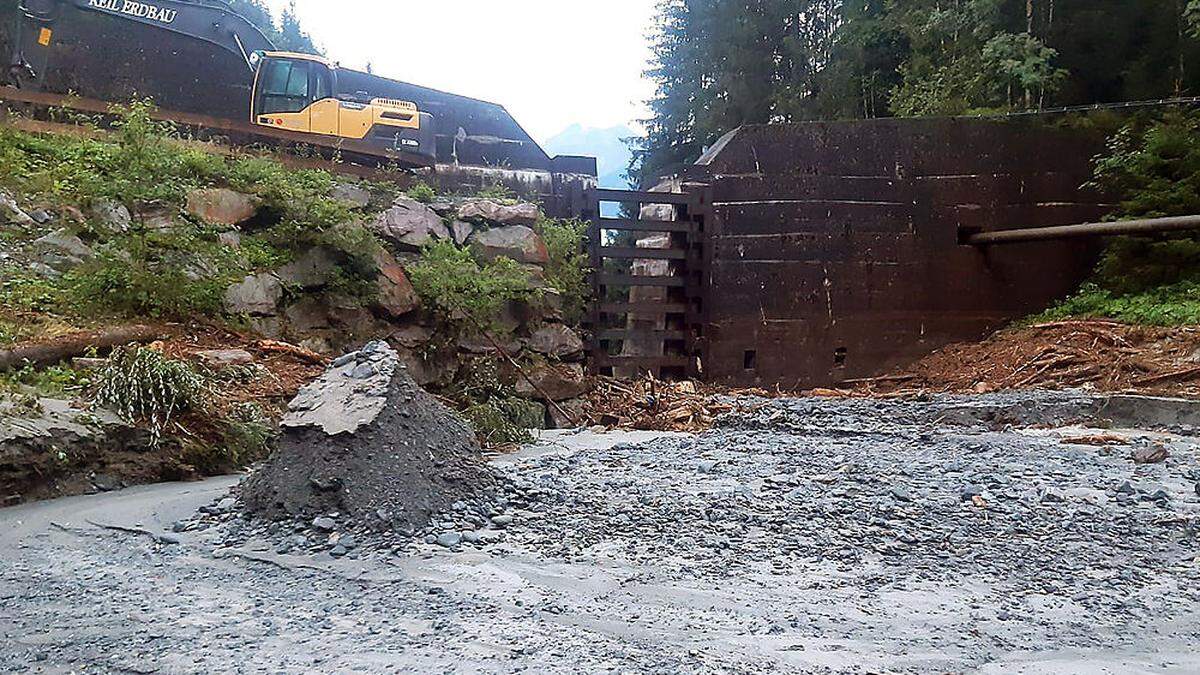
pixel 1152 168
pixel 21 291
pixel 451 282
pixel 497 193
pixel 140 276
pixel 568 267
pixel 57 380
pixel 143 385
pixel 492 407
pixel 421 192
pixel 247 434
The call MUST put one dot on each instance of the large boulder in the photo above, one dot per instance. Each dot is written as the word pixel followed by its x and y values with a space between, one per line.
pixel 256 295
pixel 493 213
pixel 111 216
pixel 554 382
pixel 221 206
pixel 556 340
pixel 396 295
pixel 409 225
pixel 314 268
pixel 63 243
pixel 365 442
pixel 517 242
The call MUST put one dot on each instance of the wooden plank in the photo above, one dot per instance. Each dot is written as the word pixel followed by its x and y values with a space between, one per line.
pixel 635 253
pixel 631 280
pixel 627 225
pixel 607 360
pixel 626 334
pixel 643 307
pixel 640 197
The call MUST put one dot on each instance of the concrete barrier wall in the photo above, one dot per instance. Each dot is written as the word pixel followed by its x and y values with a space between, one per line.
pixel 835 251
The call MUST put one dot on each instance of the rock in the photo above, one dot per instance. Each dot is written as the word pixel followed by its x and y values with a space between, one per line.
pixel 568 414
pixel 338 551
pixel 314 268
pixel 221 206
pixel 111 216
pixel 324 523
pixel 517 242
pixel 169 539
pixel 900 493
pixel 396 295
pixel 395 449
pixel 107 483
pixel 411 337
pixel 351 195
pixel 410 225
pixel 502 520
pixel 230 239
pixel 218 359
pixel 41 216
pixel 556 340
pixel 706 466
pixel 461 231
pixel 256 295
pixel 449 539
pixel 307 314
pixel 1151 454
pixel 157 219
pixel 63 243
pixel 11 212
pixel 490 212
pixel 559 382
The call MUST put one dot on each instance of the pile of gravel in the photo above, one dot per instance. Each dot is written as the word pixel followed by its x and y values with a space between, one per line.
pixel 364 444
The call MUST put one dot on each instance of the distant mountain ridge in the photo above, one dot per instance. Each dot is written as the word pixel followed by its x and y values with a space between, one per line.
pixel 606 145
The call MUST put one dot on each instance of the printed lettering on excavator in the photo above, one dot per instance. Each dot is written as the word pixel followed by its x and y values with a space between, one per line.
pixel 140 10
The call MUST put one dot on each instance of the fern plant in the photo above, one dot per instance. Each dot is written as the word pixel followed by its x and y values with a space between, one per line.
pixel 144 385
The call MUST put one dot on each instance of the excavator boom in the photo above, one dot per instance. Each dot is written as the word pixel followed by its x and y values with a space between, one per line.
pixel 210 22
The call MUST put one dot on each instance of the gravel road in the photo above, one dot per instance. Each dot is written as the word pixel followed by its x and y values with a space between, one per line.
pixel 1001 533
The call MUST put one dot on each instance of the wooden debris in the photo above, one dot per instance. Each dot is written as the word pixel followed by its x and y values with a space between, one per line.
pixel 276 347
pixel 650 404
pixel 76 344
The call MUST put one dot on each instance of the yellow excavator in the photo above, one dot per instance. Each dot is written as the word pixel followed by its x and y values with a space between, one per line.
pixel 295 92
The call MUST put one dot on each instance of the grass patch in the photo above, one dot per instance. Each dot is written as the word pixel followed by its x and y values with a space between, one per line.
pixel 459 289
pixel 567 270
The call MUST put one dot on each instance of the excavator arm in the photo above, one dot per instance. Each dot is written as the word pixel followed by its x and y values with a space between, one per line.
pixel 211 22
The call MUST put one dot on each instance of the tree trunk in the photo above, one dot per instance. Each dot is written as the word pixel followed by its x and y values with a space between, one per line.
pixel 76 344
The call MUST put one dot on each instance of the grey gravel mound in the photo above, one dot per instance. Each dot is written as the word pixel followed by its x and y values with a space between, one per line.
pixel 365 444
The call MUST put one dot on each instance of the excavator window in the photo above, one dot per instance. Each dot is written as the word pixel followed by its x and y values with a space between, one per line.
pixel 285 86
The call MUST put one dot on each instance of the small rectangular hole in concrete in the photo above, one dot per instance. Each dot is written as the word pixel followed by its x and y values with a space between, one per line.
pixel 750 360
pixel 839 356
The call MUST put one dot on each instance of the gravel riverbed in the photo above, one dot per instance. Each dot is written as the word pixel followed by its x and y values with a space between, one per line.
pixel 998 533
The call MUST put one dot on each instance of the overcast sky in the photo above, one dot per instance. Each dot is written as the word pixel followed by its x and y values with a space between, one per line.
pixel 552 63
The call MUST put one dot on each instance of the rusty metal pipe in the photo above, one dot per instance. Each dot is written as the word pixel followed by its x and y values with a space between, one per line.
pixel 1145 226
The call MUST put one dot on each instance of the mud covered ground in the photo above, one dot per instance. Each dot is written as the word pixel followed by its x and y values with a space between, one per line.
pixel 999 533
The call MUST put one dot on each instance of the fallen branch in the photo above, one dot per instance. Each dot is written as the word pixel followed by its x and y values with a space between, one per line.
pixel 277 347
pixel 70 346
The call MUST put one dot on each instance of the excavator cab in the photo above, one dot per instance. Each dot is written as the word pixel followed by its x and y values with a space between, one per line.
pixel 299 92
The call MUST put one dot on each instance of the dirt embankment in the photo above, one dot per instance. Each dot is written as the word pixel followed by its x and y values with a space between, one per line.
pixel 1105 355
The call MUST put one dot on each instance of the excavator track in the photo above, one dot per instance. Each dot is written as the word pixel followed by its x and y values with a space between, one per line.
pixel 338 155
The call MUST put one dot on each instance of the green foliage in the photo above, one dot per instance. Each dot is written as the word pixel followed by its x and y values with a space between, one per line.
pixel 54 381
pixel 421 192
pixel 498 193
pixel 143 385
pixel 22 291
pixel 247 434
pixel 157 275
pixel 568 267
pixel 721 64
pixel 492 407
pixel 453 284
pixel 1153 169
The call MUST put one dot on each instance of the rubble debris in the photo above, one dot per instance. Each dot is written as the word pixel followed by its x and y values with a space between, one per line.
pixel 364 441
pixel 649 404
pixel 1106 355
